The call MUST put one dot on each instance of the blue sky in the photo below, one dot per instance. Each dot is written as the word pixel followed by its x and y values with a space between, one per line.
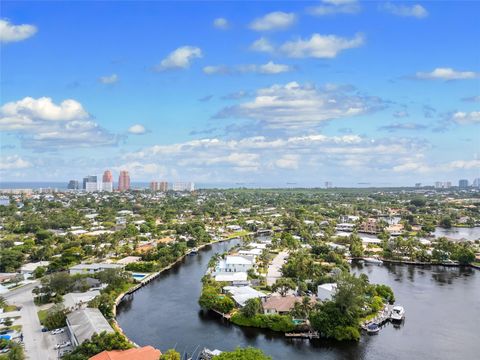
pixel 258 92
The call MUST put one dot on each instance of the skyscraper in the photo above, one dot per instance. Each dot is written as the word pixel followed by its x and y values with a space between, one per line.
pixel 73 185
pixel 159 186
pixel 123 181
pixel 107 181
pixel 89 179
pixel 463 183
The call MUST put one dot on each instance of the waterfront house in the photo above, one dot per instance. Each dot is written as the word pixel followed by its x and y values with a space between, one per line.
pixel 143 353
pixel 82 324
pixel 276 304
pixel 241 294
pixel 325 292
pixel 73 301
pixel 233 263
pixel 233 278
pixel 93 268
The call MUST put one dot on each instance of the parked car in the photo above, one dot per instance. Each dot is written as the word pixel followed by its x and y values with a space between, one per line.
pixel 57 331
pixel 44 329
pixel 62 345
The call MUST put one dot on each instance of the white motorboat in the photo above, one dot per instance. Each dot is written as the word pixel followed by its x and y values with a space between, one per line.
pixel 372 260
pixel 398 313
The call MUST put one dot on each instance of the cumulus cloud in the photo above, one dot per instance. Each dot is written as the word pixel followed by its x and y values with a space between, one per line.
pixel 42 124
pixel 109 79
pixel 320 46
pixel 137 129
pixel 329 7
pixel 229 159
pixel 13 162
pixel 221 23
pixel 466 118
pixel 403 126
pixel 262 45
pixel 277 20
pixel 446 74
pixel 268 68
pixel 294 106
pixel 180 58
pixel 13 33
pixel 415 10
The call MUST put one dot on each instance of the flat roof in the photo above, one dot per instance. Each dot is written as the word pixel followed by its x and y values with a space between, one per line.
pixel 84 323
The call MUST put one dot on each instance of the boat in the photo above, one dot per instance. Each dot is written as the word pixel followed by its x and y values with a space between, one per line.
pixel 373 328
pixel 207 354
pixel 398 313
pixel 193 252
pixel 372 260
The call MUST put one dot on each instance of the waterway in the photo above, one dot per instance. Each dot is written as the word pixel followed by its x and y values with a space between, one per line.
pixel 458 233
pixel 442 304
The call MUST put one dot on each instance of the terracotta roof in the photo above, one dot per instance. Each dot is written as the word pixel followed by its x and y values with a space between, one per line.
pixel 280 303
pixel 143 353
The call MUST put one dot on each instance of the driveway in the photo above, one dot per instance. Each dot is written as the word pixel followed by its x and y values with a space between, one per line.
pixel 274 269
pixel 38 345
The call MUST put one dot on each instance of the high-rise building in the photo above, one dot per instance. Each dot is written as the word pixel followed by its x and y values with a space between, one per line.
pixel 328 184
pixel 463 183
pixel 90 183
pixel 159 186
pixel 73 185
pixel 443 185
pixel 123 181
pixel 418 185
pixel 476 183
pixel 183 186
pixel 107 181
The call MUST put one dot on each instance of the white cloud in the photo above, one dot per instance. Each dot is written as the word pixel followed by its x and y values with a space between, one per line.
pixel 446 74
pixel 273 21
pixel 465 118
pixel 464 164
pixel 268 68
pixel 13 162
pixel 262 45
pixel 416 10
pixel 137 129
pixel 13 33
pixel 110 79
pixel 221 23
pixel 180 58
pixel 295 106
pixel 320 46
pixel 288 161
pixel 42 124
pixel 329 7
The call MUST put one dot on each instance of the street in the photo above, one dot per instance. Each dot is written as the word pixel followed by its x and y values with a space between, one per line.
pixel 38 345
pixel 274 269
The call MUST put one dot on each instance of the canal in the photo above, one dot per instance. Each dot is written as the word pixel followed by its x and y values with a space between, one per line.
pixel 442 316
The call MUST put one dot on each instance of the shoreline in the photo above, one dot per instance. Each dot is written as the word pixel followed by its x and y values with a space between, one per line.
pixel 147 280
pixel 420 263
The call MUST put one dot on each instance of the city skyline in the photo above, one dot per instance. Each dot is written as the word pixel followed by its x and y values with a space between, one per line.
pixel 308 92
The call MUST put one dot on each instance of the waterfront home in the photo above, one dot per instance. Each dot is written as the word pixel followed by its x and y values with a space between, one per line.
pixel 82 324
pixel 73 301
pixel 233 263
pixel 143 353
pixel 276 304
pixel 129 260
pixel 395 229
pixel 241 294
pixel 325 292
pixel 347 227
pixel 93 268
pixel 370 226
pixel 28 269
pixel 348 218
pixel 234 278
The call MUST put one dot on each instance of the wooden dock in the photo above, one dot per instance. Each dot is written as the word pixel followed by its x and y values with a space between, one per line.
pixel 308 335
pixel 381 318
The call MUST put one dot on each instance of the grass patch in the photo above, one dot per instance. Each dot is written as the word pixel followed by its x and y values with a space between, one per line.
pixel 238 234
pixel 9 308
pixel 42 314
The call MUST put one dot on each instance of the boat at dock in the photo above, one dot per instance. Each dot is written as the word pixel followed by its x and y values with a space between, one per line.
pixel 193 252
pixel 207 354
pixel 371 260
pixel 373 329
pixel 397 314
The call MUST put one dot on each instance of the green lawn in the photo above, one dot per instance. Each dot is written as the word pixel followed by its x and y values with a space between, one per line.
pixel 42 314
pixel 9 308
pixel 238 234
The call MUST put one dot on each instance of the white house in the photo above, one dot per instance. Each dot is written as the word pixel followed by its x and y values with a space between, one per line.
pixel 325 292
pixel 74 301
pixel 92 268
pixel 233 263
pixel 243 293
pixel 27 270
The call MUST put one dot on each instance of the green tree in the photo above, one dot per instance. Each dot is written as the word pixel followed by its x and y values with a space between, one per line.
pixel 251 308
pixel 282 286
pixel 97 344
pixel 56 317
pixel 170 354
pixel 16 352
pixel 243 354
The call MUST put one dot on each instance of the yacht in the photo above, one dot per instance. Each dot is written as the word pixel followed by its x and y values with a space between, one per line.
pixel 372 260
pixel 373 328
pixel 398 313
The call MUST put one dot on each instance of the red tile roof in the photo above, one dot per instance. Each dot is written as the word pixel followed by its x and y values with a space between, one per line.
pixel 143 353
